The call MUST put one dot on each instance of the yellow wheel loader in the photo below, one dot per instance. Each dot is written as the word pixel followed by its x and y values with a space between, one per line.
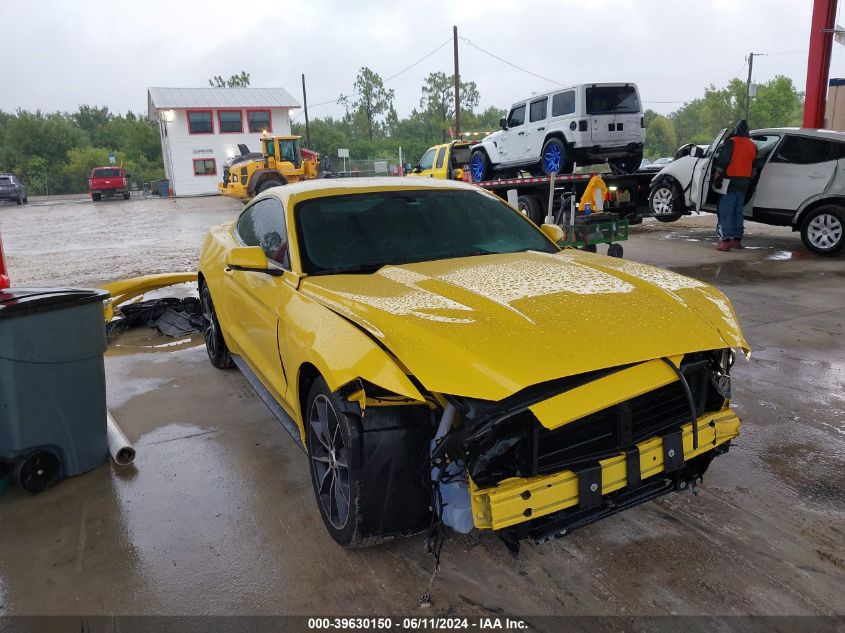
pixel 280 161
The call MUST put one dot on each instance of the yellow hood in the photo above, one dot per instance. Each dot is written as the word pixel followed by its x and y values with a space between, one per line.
pixel 488 326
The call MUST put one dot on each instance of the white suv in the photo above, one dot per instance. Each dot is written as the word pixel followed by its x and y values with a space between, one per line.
pixel 798 181
pixel 583 124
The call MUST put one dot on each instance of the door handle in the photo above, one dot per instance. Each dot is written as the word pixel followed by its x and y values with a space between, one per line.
pixel 540 129
pixel 520 133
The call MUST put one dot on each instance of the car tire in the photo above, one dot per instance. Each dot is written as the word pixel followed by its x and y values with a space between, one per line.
pixel 615 250
pixel 823 230
pixel 554 158
pixel 664 201
pixel 19 201
pixel 126 195
pixel 479 166
pixel 533 207
pixel 95 197
pixel 367 473
pixel 26 200
pixel 215 344
pixel 267 184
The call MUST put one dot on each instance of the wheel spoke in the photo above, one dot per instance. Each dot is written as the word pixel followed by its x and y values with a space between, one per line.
pixel 320 433
pixel 341 502
pixel 333 509
pixel 327 481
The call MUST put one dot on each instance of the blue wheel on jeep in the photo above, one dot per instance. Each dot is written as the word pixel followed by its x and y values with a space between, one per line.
pixel 554 159
pixel 479 166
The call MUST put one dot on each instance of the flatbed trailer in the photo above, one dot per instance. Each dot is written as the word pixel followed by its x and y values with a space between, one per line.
pixel 628 192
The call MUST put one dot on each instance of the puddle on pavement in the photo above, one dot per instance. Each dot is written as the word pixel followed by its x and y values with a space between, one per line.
pixel 787 255
pixel 808 470
pixel 750 271
pixel 145 340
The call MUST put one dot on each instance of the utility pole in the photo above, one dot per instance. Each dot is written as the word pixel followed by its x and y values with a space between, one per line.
pixel 748 84
pixel 457 86
pixel 305 105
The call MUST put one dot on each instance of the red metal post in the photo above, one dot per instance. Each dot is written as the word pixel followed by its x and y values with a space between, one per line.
pixel 818 62
pixel 4 276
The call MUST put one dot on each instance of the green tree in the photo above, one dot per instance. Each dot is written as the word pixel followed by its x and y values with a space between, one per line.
pixel 660 138
pixel 777 104
pixel 438 100
pixel 235 81
pixel 373 101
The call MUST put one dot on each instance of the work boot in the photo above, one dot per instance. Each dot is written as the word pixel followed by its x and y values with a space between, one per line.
pixel 736 243
pixel 723 245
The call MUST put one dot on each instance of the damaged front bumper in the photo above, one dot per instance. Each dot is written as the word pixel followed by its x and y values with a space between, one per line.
pixel 569 452
pixel 585 495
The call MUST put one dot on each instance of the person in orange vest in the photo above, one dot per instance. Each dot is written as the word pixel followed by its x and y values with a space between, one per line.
pixel 736 162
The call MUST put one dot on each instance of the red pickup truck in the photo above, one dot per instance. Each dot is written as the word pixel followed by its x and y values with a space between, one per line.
pixel 108 181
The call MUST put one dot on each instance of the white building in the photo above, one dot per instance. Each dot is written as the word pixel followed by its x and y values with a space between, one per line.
pixel 201 128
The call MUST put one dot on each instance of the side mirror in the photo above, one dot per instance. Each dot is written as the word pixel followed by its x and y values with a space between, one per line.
pixel 696 152
pixel 553 232
pixel 128 175
pixel 416 169
pixel 250 259
pixel 503 123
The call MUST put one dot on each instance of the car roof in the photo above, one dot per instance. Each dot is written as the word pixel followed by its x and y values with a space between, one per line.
pixel 587 84
pixel 832 135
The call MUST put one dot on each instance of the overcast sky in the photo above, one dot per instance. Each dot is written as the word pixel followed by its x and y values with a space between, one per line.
pixel 61 54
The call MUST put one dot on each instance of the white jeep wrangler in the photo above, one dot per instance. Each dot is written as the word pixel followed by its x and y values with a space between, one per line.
pixel 583 124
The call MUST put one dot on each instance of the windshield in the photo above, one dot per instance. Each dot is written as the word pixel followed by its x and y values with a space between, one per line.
pixel 612 100
pixel 5 180
pixel 360 233
pixel 106 173
pixel 461 154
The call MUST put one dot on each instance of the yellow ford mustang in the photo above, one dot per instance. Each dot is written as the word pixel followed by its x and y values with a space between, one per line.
pixel 435 352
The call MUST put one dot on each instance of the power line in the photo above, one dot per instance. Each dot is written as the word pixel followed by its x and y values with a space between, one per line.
pixel 504 61
pixel 392 77
pixel 420 60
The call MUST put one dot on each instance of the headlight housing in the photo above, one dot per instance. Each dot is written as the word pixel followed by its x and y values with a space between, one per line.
pixel 721 373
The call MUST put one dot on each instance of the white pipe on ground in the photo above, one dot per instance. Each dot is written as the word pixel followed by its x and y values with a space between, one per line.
pixel 122 451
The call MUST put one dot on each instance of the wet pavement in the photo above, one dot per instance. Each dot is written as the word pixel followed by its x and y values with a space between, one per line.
pixel 217 515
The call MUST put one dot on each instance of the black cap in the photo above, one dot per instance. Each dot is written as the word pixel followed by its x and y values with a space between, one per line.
pixel 741 128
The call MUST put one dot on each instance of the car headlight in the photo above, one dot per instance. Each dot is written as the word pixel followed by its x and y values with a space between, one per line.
pixel 721 374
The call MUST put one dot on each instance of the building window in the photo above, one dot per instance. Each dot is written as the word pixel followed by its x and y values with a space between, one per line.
pixel 230 121
pixel 199 122
pixel 205 167
pixel 259 120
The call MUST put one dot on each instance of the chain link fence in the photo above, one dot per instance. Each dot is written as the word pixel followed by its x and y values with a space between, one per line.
pixel 358 167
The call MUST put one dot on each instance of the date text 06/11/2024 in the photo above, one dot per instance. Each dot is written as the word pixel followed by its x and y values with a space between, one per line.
pixel 417 624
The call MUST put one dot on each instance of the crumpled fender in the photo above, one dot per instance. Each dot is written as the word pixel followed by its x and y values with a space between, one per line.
pixel 340 350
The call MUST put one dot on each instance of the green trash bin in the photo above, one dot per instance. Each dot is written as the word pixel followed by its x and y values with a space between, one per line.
pixel 52 384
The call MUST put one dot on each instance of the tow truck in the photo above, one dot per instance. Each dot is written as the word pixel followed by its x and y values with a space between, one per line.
pixel 628 193
pixel 280 161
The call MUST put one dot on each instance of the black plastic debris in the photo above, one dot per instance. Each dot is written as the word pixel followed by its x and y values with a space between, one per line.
pixel 170 316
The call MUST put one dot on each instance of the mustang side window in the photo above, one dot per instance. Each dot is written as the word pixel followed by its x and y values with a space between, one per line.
pixel 263 224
